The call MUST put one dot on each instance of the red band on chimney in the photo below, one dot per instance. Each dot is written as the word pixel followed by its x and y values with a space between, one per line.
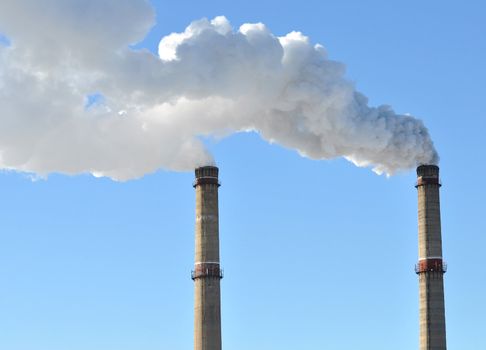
pixel 211 270
pixel 430 265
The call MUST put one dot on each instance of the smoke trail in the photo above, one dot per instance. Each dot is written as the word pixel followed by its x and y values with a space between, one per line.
pixel 75 98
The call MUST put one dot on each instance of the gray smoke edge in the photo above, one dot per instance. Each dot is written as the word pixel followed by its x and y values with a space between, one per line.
pixel 75 98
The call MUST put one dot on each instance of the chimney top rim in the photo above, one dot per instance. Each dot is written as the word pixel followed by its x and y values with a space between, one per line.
pixel 207 167
pixel 428 170
pixel 208 171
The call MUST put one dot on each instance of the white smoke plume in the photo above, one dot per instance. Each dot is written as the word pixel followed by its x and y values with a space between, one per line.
pixel 76 98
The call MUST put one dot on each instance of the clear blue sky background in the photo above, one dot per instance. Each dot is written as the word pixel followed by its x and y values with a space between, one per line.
pixel 317 255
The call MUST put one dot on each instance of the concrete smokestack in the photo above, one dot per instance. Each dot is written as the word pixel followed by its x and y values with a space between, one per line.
pixel 207 272
pixel 430 267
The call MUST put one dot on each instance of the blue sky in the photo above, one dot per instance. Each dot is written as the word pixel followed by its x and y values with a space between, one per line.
pixel 317 254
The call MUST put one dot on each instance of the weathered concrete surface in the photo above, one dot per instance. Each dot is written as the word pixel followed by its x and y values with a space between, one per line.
pixel 207 272
pixel 430 267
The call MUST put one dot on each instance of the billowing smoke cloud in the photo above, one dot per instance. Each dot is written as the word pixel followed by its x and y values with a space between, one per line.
pixel 75 98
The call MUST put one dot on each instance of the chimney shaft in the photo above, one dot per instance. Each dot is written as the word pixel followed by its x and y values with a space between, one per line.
pixel 207 272
pixel 430 267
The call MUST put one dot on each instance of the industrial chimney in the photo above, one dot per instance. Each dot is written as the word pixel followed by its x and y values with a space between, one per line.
pixel 430 267
pixel 207 272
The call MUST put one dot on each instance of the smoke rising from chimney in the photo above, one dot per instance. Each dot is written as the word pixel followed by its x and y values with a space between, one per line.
pixel 76 98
